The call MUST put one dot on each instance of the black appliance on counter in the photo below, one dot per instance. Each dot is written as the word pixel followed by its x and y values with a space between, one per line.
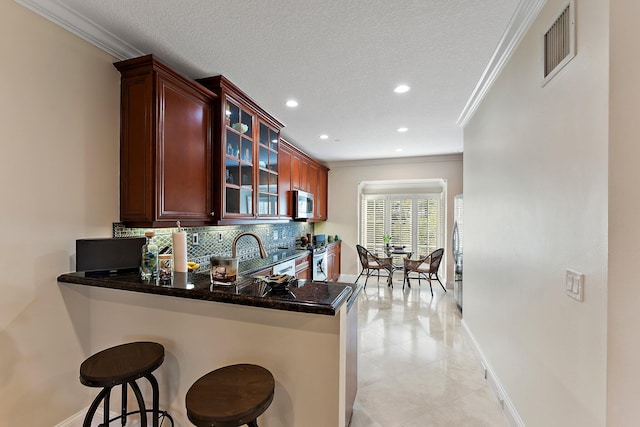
pixel 108 255
pixel 319 239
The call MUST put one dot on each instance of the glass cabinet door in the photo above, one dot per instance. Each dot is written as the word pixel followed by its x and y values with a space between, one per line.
pixel 267 171
pixel 239 158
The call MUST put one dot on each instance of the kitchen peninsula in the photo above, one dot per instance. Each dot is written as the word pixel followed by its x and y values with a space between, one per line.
pixel 300 335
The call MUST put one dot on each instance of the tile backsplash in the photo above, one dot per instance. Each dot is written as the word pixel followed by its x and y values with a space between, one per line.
pixel 218 240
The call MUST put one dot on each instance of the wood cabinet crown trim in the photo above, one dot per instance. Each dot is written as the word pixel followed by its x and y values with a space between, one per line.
pixel 221 83
pixel 144 64
pixel 291 147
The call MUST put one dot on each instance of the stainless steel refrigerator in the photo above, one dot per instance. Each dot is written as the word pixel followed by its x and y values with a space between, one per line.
pixel 457 248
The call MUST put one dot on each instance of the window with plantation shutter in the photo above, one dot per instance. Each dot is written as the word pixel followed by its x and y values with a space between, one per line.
pixel 413 220
pixel 430 216
pixel 372 222
pixel 401 221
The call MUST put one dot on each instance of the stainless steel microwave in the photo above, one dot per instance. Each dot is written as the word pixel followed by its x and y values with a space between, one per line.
pixel 302 205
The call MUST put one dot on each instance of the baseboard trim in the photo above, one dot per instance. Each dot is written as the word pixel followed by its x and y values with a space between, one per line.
pixel 507 405
pixel 77 419
pixel 348 278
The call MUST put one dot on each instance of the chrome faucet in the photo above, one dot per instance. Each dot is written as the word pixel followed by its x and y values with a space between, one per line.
pixel 263 253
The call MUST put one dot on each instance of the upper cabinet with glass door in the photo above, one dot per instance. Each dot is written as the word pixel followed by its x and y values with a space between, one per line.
pixel 238 159
pixel 267 171
pixel 245 147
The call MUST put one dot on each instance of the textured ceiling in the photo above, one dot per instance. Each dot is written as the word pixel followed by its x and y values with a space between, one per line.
pixel 340 59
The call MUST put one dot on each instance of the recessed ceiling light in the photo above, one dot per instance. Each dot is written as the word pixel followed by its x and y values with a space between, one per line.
pixel 402 89
pixel 398 149
pixel 324 136
pixel 403 129
pixel 291 103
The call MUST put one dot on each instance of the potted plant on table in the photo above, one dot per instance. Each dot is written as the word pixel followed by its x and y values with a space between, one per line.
pixel 387 241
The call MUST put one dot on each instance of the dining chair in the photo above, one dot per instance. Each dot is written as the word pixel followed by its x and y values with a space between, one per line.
pixel 373 264
pixel 427 267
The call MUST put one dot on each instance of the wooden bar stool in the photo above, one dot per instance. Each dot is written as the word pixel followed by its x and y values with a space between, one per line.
pixel 231 396
pixel 123 365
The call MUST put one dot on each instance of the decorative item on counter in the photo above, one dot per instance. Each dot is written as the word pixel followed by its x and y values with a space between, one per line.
pixel 330 239
pixel 164 267
pixel 192 266
pixel 224 270
pixel 179 242
pixel 149 264
pixel 336 238
pixel 279 281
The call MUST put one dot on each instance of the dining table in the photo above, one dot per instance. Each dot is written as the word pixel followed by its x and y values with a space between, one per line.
pixel 395 252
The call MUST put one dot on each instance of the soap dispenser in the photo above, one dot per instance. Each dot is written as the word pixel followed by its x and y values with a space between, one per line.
pixel 149 264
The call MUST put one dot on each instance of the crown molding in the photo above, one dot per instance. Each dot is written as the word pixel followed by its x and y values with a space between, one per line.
pixel 526 12
pixel 436 158
pixel 61 15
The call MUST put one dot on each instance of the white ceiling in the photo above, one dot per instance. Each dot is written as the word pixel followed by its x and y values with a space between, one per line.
pixel 340 59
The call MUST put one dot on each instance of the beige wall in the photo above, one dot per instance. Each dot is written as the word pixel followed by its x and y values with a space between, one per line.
pixel 536 197
pixel 304 352
pixel 344 178
pixel 623 347
pixel 59 130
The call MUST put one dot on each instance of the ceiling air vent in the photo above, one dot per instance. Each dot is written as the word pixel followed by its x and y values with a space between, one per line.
pixel 559 42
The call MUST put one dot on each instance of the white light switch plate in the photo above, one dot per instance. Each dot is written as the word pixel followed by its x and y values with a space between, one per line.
pixel 574 285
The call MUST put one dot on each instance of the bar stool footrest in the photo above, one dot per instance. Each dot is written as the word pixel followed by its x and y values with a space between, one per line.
pixel 161 417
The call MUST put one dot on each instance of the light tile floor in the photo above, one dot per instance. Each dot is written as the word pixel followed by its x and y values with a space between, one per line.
pixel 416 366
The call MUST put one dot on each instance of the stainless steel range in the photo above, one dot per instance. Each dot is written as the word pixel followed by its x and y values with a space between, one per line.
pixel 319 271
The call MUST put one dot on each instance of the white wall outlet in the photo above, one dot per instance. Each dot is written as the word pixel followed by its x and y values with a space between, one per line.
pixel 574 285
pixel 275 234
pixel 195 240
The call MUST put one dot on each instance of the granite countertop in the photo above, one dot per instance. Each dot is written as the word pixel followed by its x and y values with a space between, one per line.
pixel 301 296
pixel 251 266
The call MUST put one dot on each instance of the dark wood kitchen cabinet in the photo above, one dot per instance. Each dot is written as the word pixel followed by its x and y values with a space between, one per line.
pixel 165 146
pixel 285 196
pixel 303 267
pixel 245 156
pixel 301 172
pixel 265 272
pixel 333 262
pixel 322 194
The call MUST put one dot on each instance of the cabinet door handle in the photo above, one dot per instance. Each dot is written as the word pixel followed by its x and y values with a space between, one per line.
pixel 212 213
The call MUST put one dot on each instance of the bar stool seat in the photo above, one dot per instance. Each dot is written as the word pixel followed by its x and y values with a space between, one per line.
pixel 231 396
pixel 123 365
